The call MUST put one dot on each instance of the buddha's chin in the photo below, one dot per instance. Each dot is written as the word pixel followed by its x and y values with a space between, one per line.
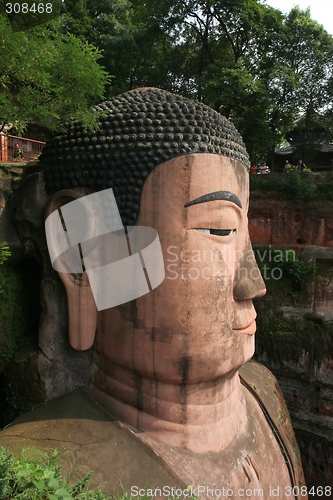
pixel 249 347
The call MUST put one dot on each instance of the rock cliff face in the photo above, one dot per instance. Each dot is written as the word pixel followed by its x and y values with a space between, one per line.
pixel 295 329
pixel 285 223
pixel 308 392
pixel 51 368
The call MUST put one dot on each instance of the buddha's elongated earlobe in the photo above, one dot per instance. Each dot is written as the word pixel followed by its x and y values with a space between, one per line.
pixel 82 312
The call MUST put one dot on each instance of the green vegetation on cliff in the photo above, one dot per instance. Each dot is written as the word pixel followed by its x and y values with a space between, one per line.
pixel 20 383
pixel 13 311
pixel 37 475
pixel 295 185
pixel 289 282
pixel 286 339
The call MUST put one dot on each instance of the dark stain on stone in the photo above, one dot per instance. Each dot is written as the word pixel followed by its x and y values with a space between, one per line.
pixel 183 403
pixel 153 334
pixel 129 312
pixel 184 368
pixel 138 387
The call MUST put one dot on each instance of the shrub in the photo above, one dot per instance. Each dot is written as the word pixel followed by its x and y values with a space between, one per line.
pixel 286 339
pixel 5 252
pixel 35 475
pixel 325 190
pixel 295 185
pixel 13 312
pixel 302 187
pixel 268 182
pixel 298 270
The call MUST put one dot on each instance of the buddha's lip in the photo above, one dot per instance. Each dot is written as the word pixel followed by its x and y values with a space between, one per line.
pixel 249 329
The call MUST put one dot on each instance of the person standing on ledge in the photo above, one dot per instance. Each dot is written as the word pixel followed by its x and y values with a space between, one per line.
pixel 172 364
pixel 254 169
pixel 18 153
pixel 287 167
pixel 301 165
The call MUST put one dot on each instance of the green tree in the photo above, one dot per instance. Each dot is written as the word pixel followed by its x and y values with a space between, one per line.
pixel 47 76
pixel 299 77
pixel 261 69
pixel 311 56
pixel 265 71
pixel 225 43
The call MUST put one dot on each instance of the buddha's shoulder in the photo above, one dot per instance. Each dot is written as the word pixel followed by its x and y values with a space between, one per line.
pixel 264 387
pixel 263 384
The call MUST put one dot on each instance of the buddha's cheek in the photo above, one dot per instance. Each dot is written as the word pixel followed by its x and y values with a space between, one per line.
pixel 174 337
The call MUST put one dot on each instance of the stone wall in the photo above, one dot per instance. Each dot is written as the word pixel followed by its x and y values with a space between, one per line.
pixel 285 223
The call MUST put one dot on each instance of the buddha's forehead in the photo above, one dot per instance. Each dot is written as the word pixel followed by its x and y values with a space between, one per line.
pixel 194 175
pixel 211 173
pixel 172 188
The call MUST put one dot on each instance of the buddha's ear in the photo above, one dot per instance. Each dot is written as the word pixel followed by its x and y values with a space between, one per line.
pixel 82 312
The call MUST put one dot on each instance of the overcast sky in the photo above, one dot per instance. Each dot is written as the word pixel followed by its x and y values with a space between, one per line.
pixel 321 10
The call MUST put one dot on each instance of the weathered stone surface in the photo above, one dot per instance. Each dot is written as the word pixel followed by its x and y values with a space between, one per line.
pixel 25 389
pixel 22 225
pixel 306 382
pixel 57 361
pixel 93 440
pixel 317 458
pixel 308 392
pixel 286 223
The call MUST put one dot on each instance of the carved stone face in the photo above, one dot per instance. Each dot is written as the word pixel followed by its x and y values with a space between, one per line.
pixel 199 324
pixel 168 359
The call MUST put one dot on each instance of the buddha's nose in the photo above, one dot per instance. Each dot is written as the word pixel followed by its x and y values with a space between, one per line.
pixel 248 282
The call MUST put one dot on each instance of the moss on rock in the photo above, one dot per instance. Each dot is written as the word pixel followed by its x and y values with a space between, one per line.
pixel 13 312
pixel 287 339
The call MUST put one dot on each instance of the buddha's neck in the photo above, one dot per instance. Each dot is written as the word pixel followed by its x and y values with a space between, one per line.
pixel 200 417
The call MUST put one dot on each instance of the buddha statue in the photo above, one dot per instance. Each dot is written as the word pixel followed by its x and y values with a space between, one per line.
pixel 173 364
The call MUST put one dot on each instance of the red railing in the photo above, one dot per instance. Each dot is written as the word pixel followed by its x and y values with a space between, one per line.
pixel 14 148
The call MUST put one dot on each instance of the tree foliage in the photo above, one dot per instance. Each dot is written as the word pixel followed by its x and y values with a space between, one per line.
pixel 264 70
pixel 261 69
pixel 300 75
pixel 135 47
pixel 47 76
pixel 5 252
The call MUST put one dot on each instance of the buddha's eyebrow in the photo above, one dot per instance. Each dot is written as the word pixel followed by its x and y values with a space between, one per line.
pixel 217 195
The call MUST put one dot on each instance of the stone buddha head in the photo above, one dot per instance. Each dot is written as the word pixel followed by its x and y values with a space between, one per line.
pixel 166 362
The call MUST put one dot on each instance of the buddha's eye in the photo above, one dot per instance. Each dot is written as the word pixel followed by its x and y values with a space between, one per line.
pixel 217 232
